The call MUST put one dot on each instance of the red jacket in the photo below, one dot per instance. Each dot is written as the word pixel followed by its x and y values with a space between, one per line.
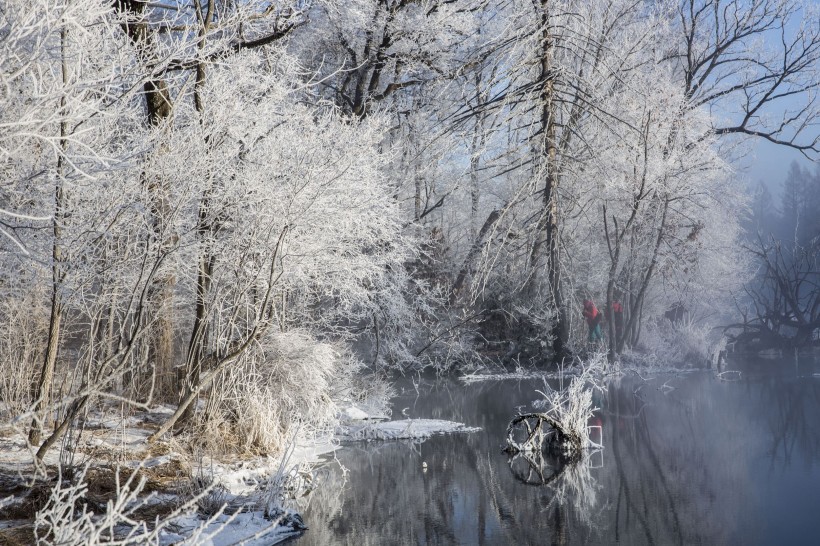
pixel 591 314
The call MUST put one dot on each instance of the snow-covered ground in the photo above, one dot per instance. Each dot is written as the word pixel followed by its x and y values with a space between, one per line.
pixel 247 528
pixel 232 510
pixel 111 444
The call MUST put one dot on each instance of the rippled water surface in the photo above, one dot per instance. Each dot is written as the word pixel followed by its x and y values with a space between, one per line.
pixel 688 459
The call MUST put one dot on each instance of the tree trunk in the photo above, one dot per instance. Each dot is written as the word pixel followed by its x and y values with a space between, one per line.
pixel 472 254
pixel 42 394
pixel 636 310
pixel 477 144
pixel 548 221
pixel 216 363
pixel 158 110
pixel 199 334
pixel 614 245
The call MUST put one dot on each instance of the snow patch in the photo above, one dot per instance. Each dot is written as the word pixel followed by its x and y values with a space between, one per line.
pixel 520 375
pixel 349 412
pixel 406 429
pixel 354 414
pixel 247 528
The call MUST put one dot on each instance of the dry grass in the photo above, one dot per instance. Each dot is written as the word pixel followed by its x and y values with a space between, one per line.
pixel 165 478
pixel 21 349
pixel 262 403
pixel 29 504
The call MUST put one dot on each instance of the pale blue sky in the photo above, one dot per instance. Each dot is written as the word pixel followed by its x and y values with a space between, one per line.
pixel 770 165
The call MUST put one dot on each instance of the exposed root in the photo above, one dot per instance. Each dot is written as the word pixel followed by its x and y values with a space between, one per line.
pixel 562 429
pixel 532 432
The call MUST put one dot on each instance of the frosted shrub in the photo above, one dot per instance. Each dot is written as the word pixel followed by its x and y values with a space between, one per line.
pixel 571 408
pixel 260 402
pixel 682 343
pixel 284 487
pixel 594 365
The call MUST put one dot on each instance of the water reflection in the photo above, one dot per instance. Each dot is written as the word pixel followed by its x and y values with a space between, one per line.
pixel 534 468
pixel 687 459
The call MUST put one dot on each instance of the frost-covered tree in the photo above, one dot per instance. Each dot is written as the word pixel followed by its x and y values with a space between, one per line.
pixel 782 303
pixel 174 44
pixel 68 131
pixel 561 77
pixel 800 201
pixel 368 50
pixel 300 232
pixel 129 169
pixel 580 81
pixel 755 63
pixel 193 189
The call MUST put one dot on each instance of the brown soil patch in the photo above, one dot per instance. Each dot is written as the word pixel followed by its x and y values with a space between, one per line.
pixel 17 536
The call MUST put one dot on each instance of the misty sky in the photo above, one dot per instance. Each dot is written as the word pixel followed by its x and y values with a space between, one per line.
pixel 770 164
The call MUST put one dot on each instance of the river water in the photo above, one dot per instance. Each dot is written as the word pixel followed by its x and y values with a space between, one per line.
pixel 687 459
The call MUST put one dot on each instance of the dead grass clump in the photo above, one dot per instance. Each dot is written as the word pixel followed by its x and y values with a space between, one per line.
pixel 157 449
pixel 155 510
pixel 7 431
pixel 27 505
pixel 101 481
pixel 166 477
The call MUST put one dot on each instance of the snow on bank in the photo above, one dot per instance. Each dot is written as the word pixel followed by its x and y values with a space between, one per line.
pixel 406 429
pixel 252 475
pixel 520 375
pixel 364 424
pixel 251 502
pixel 247 528
pixel 245 487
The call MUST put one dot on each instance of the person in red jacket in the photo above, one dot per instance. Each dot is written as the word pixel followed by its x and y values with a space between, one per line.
pixel 593 318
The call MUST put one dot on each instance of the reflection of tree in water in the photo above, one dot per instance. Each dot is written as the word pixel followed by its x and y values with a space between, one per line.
pixel 681 466
pixel 690 463
pixel 570 482
pixel 792 421
pixel 467 494
pixel 533 468
pixel 653 453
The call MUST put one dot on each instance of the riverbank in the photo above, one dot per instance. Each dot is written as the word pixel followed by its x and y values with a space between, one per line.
pixel 165 493
pixel 173 494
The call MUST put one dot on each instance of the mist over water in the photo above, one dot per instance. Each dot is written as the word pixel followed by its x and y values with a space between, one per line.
pixel 688 459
